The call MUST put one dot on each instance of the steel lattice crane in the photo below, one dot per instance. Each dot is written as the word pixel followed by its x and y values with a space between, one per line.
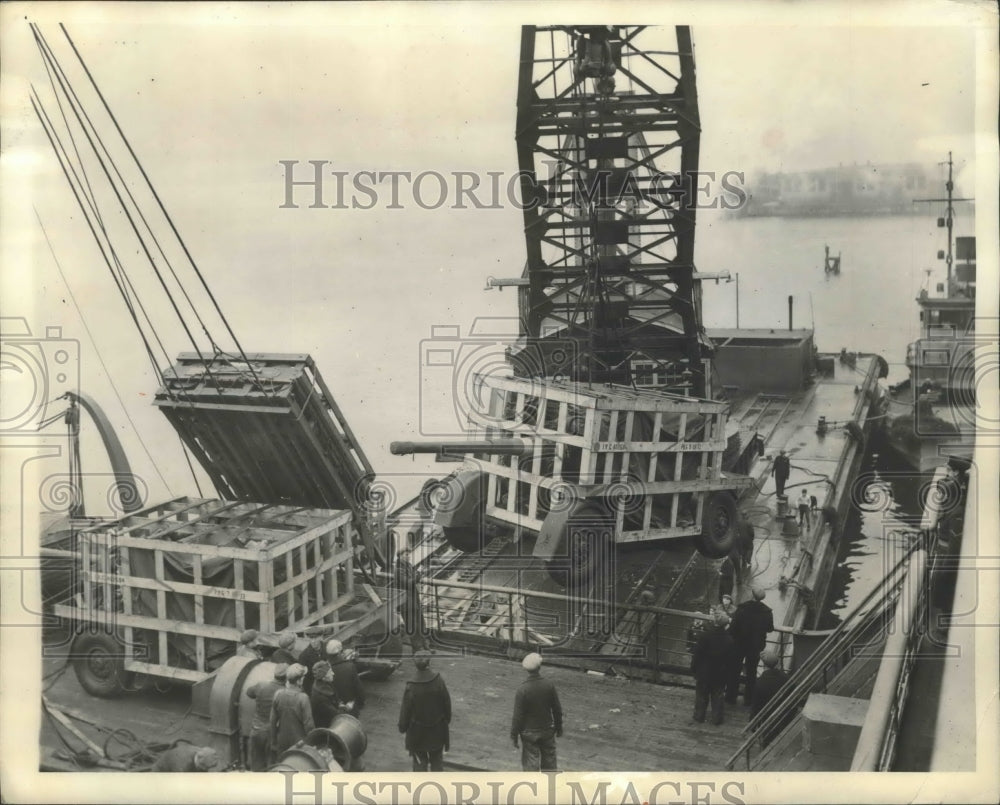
pixel 607 139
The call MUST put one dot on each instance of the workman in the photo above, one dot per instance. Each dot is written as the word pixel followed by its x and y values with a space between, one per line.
pixel 346 682
pixel 780 469
pixel 263 694
pixel 712 660
pixel 404 579
pixel 538 718
pixel 727 575
pixel 311 655
pixel 323 697
pixel 769 682
pixel 185 757
pixel 286 643
pixel 291 712
pixel 248 645
pixel 805 515
pixel 767 686
pixel 424 716
pixel 752 621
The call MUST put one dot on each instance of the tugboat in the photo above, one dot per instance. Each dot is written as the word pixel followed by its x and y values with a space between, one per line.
pixel 939 395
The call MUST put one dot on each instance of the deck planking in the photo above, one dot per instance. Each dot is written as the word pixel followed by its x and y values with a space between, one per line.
pixel 611 724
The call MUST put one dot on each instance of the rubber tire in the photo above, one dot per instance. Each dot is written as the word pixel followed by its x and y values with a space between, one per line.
pixel 720 524
pixel 579 564
pixel 109 679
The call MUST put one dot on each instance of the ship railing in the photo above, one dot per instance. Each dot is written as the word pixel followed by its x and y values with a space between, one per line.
pixel 640 641
pixel 876 746
pixel 861 634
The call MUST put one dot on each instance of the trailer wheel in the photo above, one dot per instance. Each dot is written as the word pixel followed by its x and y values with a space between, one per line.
pixel 99 664
pixel 587 546
pixel 719 526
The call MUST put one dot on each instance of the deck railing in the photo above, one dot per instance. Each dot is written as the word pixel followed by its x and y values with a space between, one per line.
pixel 861 633
pixel 640 640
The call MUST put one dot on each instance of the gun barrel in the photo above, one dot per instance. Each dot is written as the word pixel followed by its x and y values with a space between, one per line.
pixel 507 447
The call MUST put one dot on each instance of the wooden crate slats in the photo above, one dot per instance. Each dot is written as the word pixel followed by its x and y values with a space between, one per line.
pixel 327 610
pixel 176 587
pixel 187 602
pixel 239 585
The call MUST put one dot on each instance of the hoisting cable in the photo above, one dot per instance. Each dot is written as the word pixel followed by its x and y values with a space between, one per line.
pixel 121 278
pixel 73 97
pixel 43 119
pixel 163 209
pixel 135 229
pixel 100 358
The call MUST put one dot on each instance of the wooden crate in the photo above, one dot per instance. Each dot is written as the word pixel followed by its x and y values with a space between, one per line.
pixel 266 430
pixel 650 455
pixel 266 567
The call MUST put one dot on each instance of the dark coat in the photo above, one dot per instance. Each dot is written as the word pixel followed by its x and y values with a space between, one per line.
pixel 768 683
pixel 281 655
pixel 291 719
pixel 263 694
pixel 781 467
pixel 751 623
pixel 714 657
pixel 309 657
pixel 536 706
pixel 323 699
pixel 347 683
pixel 425 713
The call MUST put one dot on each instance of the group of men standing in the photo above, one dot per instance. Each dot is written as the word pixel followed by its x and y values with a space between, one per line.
pixel 729 648
pixel 308 692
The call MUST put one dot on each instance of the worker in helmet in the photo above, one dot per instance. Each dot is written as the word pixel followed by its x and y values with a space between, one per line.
pixel 346 681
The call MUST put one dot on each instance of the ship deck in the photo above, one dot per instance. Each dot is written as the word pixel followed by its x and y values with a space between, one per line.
pixel 670 574
pixel 610 723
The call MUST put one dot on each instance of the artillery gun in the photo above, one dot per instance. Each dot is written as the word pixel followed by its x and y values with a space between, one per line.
pixel 584 469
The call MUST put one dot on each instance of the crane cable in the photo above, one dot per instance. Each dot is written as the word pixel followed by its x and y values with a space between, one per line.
pixel 100 358
pixel 72 96
pixel 119 276
pixel 46 55
pixel 163 209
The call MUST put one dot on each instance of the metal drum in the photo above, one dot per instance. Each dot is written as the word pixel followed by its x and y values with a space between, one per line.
pixel 345 737
pixel 305 758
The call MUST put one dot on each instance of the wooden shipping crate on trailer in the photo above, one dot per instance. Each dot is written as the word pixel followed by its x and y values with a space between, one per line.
pixel 178 583
pixel 646 463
